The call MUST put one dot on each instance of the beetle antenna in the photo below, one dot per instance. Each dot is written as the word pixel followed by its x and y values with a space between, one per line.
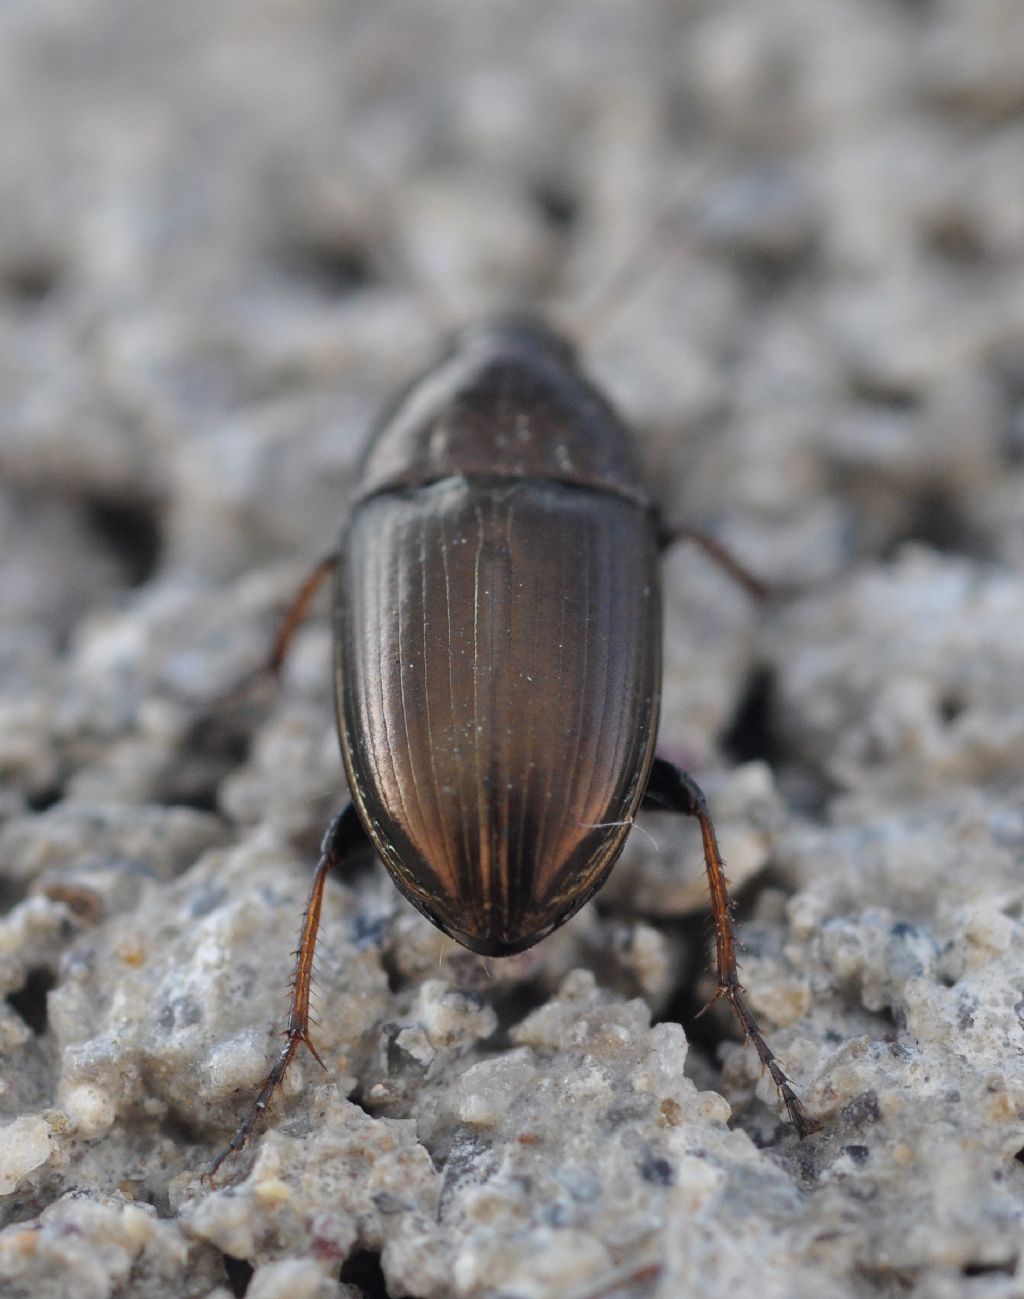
pixel 389 250
pixel 625 279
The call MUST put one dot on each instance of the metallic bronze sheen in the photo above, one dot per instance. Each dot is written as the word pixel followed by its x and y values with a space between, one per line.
pixel 498 651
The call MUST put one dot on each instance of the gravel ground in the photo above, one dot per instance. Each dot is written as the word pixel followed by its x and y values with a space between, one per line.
pixel 229 233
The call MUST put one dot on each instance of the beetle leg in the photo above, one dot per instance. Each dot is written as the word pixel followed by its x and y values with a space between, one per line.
pixel 673 790
pixel 297 610
pixel 344 836
pixel 669 534
pixel 286 629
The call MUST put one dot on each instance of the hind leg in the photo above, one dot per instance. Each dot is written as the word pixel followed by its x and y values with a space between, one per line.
pixel 345 836
pixel 672 790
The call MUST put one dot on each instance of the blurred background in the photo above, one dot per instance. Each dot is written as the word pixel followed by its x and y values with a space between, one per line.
pixel 229 233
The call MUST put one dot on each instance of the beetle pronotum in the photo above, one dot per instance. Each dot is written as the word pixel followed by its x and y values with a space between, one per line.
pixel 497 662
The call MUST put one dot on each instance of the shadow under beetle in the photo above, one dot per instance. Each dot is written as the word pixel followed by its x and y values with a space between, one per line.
pixel 497 662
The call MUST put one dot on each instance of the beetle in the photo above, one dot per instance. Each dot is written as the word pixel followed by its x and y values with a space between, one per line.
pixel 497 662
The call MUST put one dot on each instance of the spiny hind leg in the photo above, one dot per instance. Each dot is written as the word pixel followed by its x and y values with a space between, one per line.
pixel 672 790
pixel 344 838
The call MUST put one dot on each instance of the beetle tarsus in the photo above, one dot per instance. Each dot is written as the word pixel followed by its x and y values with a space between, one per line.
pixel 798 1116
pixel 673 790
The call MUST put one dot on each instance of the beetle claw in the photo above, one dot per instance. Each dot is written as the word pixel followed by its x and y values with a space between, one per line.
pixel 723 990
pixel 304 1037
pixel 708 1004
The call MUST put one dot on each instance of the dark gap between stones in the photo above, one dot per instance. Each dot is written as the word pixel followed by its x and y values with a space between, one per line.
pixel 131 530
pixel 30 999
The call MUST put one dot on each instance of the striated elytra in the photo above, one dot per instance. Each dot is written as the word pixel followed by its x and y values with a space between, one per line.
pixel 497 666
pixel 498 639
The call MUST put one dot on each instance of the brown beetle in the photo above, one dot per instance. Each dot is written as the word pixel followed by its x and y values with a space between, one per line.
pixel 497 622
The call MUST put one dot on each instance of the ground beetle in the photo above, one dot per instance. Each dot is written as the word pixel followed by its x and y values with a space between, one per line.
pixel 497 661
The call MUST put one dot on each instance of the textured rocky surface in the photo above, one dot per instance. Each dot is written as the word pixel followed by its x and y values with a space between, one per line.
pixel 826 367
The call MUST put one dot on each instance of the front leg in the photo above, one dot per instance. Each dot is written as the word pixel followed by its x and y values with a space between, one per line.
pixel 345 836
pixel 672 790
